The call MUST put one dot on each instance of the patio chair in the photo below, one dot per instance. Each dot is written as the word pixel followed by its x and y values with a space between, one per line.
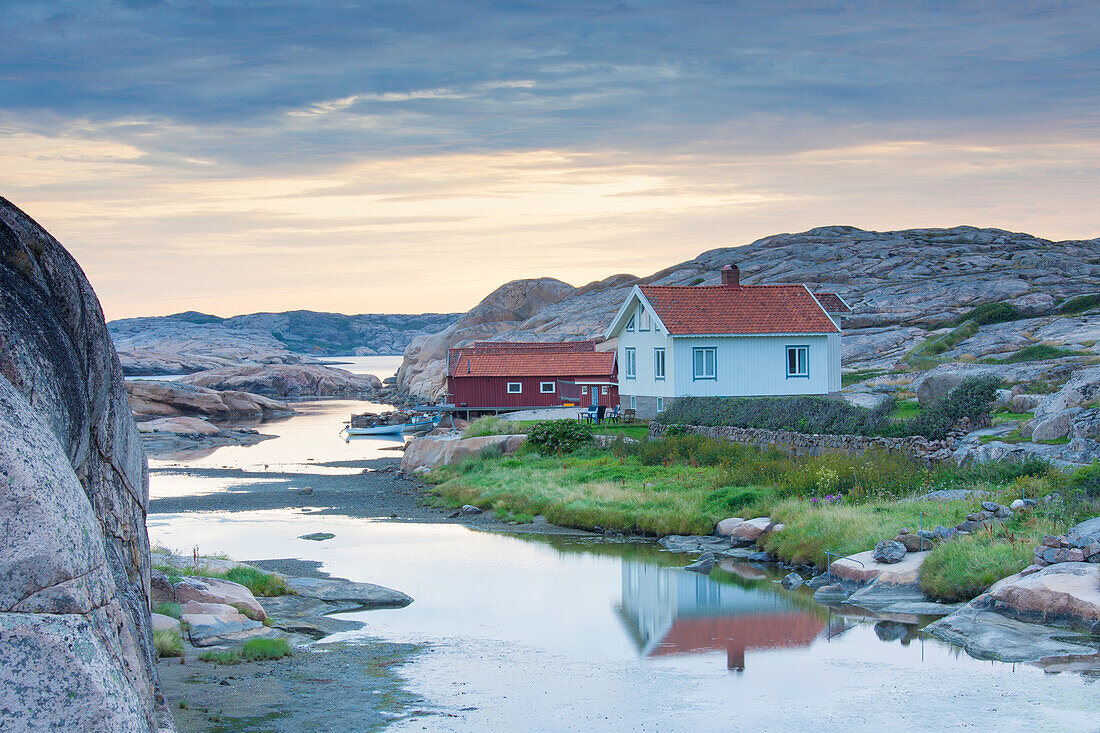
pixel 630 415
pixel 613 416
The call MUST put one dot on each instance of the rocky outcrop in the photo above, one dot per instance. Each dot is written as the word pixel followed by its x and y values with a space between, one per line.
pixel 425 453
pixel 152 399
pixel 281 380
pixel 424 369
pixel 76 648
pixel 190 342
pixel 904 285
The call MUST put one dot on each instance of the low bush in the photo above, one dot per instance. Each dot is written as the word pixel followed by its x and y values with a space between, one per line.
pixel 225 657
pixel 1080 304
pixel 1087 480
pixel 489 425
pixel 965 567
pixel 988 313
pixel 264 649
pixel 168 643
pixel 552 437
pixel 971 399
pixel 799 414
pixel 1039 352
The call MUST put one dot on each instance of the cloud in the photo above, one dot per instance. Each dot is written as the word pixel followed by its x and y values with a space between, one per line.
pixel 304 153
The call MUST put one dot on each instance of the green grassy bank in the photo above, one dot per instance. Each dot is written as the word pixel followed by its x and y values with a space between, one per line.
pixel 686 484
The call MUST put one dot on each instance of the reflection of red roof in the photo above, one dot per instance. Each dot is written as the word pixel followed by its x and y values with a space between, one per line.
pixel 748 309
pixel 753 631
pixel 832 303
pixel 549 364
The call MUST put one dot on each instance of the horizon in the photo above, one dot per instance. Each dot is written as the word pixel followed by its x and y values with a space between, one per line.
pixel 350 159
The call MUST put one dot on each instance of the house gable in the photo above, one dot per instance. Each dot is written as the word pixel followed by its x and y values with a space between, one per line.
pixel 629 310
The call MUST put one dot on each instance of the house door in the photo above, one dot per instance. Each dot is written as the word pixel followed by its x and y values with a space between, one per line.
pixel 595 390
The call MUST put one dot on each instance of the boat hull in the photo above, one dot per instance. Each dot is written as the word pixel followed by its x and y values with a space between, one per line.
pixel 377 430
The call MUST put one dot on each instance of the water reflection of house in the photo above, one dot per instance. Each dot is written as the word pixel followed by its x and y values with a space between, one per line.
pixel 670 611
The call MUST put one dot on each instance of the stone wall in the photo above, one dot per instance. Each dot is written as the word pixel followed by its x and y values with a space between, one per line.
pixel 807 444
pixel 76 649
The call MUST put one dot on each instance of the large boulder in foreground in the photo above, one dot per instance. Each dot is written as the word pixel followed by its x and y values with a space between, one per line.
pixel 1066 594
pixel 151 399
pixel 287 380
pixel 76 649
pixel 427 453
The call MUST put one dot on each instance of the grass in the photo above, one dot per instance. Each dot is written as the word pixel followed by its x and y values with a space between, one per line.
pixel 254 650
pixel 1017 437
pixel 1007 416
pixel 849 378
pixel 260 583
pixel 685 485
pixel 906 410
pixel 168 609
pixel 168 643
pixel 949 340
pixel 489 425
pixel 1037 352
pixel 965 567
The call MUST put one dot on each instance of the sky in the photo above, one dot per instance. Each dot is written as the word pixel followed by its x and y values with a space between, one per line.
pixel 233 156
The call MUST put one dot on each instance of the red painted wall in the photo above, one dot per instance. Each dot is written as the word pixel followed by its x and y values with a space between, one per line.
pixel 479 393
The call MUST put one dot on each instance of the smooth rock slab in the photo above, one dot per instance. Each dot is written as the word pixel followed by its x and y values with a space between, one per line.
pixel 216 590
pixel 318 536
pixel 164 623
pixel 210 624
pixel 861 568
pixel 366 595
pixel 987 635
pixel 1066 594
pixel 693 543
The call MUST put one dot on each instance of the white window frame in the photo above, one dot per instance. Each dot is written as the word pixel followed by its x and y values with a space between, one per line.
pixel 659 361
pixel 543 387
pixel 518 388
pixel 695 371
pixel 630 362
pixel 802 359
pixel 643 318
pixel 633 402
pixel 630 323
pixel 584 390
pixel 603 390
pixel 660 404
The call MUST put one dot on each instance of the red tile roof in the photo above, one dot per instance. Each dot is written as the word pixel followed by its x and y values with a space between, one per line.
pixel 832 303
pixel 747 309
pixel 552 364
pixel 534 345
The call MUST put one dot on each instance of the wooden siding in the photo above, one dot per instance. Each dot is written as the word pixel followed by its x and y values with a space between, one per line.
pixel 483 393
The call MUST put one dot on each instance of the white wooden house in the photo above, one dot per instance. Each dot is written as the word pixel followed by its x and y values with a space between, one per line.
pixel 728 340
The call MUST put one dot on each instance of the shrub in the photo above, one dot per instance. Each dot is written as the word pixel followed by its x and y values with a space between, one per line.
pixel 168 643
pixel 558 436
pixel 966 566
pixel 168 609
pixel 971 399
pixel 730 500
pixel 1087 480
pixel 221 657
pixel 257 649
pixel 1080 304
pixel 988 313
pixel 799 414
pixel 489 425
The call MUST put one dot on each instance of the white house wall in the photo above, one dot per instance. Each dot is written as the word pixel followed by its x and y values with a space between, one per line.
pixel 752 366
pixel 645 383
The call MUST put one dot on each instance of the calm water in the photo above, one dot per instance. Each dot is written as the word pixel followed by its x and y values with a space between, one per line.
pixel 548 633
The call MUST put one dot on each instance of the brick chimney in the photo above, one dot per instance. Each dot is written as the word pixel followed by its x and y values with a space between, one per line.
pixel 731 276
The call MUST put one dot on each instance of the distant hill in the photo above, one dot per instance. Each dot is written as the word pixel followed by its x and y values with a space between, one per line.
pixel 903 287
pixel 193 341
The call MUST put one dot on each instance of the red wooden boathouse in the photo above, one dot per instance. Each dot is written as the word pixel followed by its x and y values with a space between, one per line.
pixel 494 376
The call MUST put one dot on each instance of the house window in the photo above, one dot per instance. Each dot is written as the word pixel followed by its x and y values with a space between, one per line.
pixel 515 388
pixel 631 359
pixel 603 390
pixel 643 319
pixel 705 363
pixel 630 324
pixel 798 361
pixel 584 390
pixel 633 402
pixel 660 404
pixel 546 387
pixel 658 363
